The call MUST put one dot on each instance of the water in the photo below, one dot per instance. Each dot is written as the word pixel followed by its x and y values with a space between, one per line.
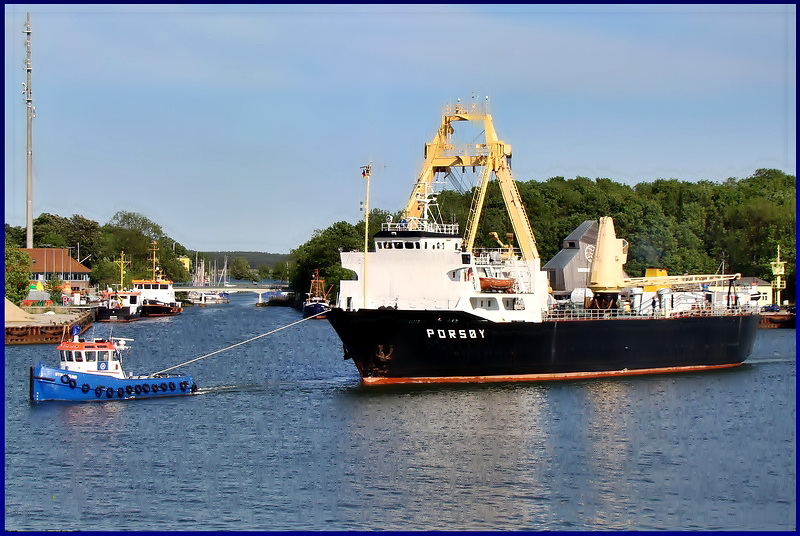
pixel 283 437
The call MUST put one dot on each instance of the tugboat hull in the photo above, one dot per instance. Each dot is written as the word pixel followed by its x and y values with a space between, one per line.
pixel 396 346
pixel 58 385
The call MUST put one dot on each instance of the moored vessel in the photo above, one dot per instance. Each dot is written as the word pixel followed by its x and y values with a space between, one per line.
pixel 93 371
pixel 428 306
pixel 119 306
pixel 158 294
pixel 316 303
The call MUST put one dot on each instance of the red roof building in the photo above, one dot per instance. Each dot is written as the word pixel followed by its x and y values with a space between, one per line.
pixel 48 262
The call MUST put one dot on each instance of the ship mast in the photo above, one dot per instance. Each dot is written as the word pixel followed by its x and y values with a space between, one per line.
pixel 154 249
pixel 778 269
pixel 121 263
pixel 29 151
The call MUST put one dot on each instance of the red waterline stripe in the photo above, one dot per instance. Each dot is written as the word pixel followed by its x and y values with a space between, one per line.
pixel 541 377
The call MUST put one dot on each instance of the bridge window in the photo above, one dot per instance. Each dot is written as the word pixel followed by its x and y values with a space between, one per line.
pixel 91 355
pixel 79 357
pixel 164 287
pixel 102 355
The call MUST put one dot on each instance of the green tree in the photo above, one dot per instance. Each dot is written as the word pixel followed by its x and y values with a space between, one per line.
pixel 263 272
pixel 105 274
pixel 322 252
pixel 54 286
pixel 240 269
pixel 17 274
pixel 137 222
pixel 282 271
pixel 50 230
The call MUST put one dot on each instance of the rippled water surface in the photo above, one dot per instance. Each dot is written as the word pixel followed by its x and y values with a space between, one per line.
pixel 282 436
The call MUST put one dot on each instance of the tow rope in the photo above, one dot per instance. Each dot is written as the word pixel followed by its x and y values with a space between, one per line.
pixel 235 345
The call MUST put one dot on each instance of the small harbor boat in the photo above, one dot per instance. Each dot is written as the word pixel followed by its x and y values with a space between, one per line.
pixel 203 298
pixel 316 303
pixel 93 371
pixel 158 294
pixel 119 306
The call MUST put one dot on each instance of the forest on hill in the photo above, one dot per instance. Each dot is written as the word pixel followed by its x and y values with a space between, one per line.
pixel 253 258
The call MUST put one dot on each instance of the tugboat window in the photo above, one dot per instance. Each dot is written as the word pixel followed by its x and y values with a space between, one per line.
pixel 102 355
pixel 79 356
pixel 68 355
pixel 91 355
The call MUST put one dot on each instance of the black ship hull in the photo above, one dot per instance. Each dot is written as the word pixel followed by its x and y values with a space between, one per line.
pixel 122 314
pixel 395 346
pixel 154 308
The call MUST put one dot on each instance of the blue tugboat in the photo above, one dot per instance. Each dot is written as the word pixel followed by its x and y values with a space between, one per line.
pixel 92 371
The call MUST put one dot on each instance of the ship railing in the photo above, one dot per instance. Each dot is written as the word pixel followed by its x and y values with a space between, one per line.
pixel 473 107
pixel 416 224
pixel 578 313
pixel 467 151
pixel 494 256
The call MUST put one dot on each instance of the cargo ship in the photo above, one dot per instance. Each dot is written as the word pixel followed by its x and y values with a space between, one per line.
pixel 428 306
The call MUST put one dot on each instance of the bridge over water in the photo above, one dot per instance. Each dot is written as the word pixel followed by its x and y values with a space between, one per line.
pixel 258 289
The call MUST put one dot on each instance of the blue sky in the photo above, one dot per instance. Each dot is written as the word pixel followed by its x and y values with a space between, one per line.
pixel 243 127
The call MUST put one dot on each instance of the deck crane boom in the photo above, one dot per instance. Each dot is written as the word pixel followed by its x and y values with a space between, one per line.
pixel 493 155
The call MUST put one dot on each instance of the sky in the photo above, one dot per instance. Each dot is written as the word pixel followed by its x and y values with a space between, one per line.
pixel 244 126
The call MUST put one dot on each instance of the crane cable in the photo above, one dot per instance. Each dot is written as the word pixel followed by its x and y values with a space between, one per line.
pixel 235 345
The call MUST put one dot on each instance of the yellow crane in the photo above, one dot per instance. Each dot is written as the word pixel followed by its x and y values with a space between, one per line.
pixel 492 155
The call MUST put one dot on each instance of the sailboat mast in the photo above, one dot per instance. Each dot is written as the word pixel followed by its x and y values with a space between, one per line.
pixel 29 151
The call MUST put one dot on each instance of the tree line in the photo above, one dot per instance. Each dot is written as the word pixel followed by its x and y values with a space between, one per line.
pixel 98 246
pixel 685 227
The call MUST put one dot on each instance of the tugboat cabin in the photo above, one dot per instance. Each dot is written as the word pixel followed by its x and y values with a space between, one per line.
pixel 97 357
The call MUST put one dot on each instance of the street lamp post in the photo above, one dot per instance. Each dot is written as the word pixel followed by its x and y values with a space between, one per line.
pixel 366 173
